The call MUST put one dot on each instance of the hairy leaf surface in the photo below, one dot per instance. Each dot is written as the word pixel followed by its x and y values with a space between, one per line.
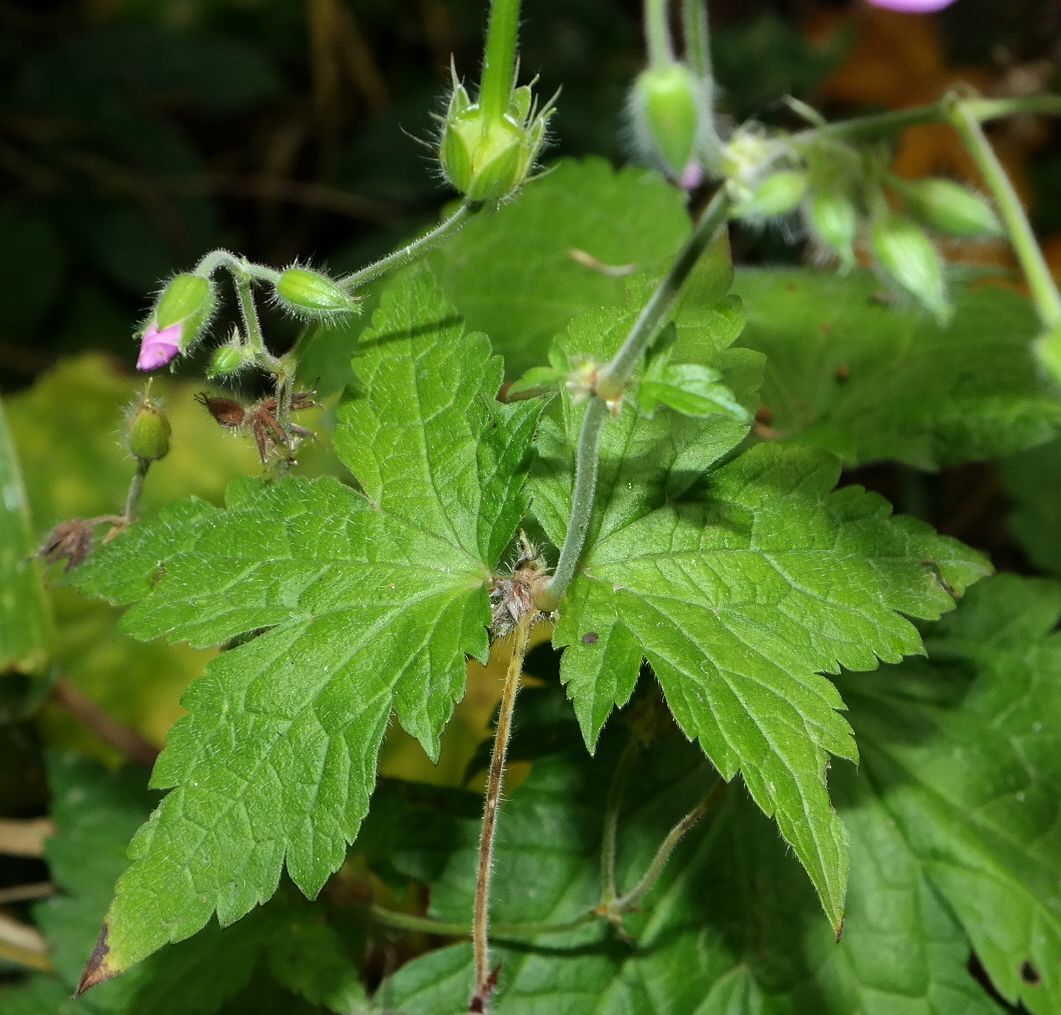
pixel 870 381
pixel 339 607
pixel 965 755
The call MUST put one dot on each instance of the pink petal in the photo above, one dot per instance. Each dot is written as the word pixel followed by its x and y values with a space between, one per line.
pixel 157 348
pixel 692 176
pixel 913 6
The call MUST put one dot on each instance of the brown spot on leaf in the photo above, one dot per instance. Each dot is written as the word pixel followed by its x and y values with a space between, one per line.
pixel 96 969
pixel 843 374
pixel 1029 974
pixel 590 638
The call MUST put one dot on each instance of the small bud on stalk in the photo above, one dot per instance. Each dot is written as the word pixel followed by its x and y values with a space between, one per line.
pixel 148 432
pixel 950 208
pixel 668 111
pixel 312 294
pixel 906 255
pixel 834 219
pixel 778 194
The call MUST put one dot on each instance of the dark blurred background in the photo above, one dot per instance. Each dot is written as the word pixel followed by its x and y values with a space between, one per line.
pixel 137 134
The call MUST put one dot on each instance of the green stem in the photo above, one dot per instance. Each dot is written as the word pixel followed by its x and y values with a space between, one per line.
pixel 136 488
pixel 613 377
pixel 495 783
pixel 611 816
pixel 1036 271
pixel 631 899
pixel 697 38
pixel 447 928
pixel 875 125
pixel 447 227
pixel 238 266
pixel 657 34
pixel 499 59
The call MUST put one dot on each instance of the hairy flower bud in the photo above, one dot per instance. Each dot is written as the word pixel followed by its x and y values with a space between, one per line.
pixel 950 208
pixel 778 194
pixel 487 158
pixel 833 217
pixel 312 294
pixel 667 108
pixel 182 312
pixel 148 431
pixel 906 255
pixel 229 359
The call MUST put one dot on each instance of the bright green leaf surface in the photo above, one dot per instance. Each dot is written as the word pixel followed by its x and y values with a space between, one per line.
pixel 965 755
pixel 731 927
pixel 739 595
pixel 870 381
pixel 369 602
pixel 95 813
pixel 25 623
pixel 568 243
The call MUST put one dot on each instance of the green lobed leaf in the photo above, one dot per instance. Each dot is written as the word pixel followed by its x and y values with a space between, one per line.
pixel 869 381
pixel 521 274
pixel 95 813
pixel 345 607
pixel 730 927
pixel 25 620
pixel 740 583
pixel 965 755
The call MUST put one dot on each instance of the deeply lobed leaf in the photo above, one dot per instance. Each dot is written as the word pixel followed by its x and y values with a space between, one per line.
pixel 344 607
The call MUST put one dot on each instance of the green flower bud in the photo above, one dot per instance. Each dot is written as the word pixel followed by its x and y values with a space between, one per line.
pixel 666 106
pixel 229 359
pixel 778 194
pixel 950 208
pixel 187 300
pixel 906 255
pixel 834 219
pixel 311 294
pixel 148 431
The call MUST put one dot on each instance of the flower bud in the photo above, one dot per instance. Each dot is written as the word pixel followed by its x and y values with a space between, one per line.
pixel 311 294
pixel 182 312
pixel 148 432
pixel 666 106
pixel 778 194
pixel 834 219
pixel 487 158
pixel 950 208
pixel 229 359
pixel 906 255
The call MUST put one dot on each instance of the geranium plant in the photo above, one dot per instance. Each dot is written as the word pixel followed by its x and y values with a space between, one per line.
pixel 581 450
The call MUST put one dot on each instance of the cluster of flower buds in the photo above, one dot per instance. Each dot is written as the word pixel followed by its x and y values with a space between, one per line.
pixel 842 193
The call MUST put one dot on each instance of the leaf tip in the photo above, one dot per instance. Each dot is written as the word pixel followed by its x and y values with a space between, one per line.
pixel 838 930
pixel 97 969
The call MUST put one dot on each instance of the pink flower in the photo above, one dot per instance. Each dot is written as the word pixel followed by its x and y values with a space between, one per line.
pixel 913 6
pixel 157 348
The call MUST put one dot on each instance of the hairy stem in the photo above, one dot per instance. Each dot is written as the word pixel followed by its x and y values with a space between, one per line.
pixel 410 252
pixel 1040 281
pixel 613 377
pixel 495 783
pixel 631 899
pixel 657 34
pixel 697 39
pixel 252 325
pixel 136 488
pixel 220 258
pixel 875 125
pixel 611 816
pixel 499 59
